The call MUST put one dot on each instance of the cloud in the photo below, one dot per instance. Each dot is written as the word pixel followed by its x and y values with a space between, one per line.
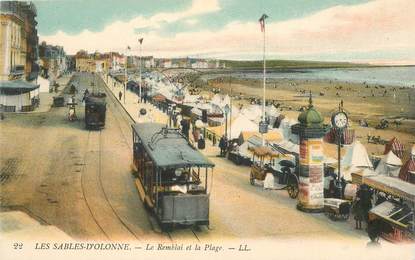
pixel 191 21
pixel 376 26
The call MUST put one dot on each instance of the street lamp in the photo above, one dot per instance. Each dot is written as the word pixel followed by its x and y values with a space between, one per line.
pixel 339 120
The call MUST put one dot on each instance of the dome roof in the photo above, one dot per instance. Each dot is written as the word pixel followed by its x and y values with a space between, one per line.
pixel 310 116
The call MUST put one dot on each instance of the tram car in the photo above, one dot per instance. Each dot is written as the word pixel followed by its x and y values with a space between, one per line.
pixel 95 109
pixel 172 177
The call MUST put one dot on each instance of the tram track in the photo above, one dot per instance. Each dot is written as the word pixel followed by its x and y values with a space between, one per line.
pixel 98 149
pixel 128 119
pixel 83 190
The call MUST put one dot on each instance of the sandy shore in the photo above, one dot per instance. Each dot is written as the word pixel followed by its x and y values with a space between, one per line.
pixel 361 101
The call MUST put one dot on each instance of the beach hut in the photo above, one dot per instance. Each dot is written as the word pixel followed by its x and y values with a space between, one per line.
pixel 407 172
pixel 355 159
pixel 395 146
pixel 389 165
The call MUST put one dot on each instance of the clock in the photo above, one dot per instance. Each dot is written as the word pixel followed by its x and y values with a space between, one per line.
pixel 339 120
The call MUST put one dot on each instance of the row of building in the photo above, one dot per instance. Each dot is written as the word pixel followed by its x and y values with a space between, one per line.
pixel 114 61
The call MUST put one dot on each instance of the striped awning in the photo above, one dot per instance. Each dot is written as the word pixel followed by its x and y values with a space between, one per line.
pixel 395 146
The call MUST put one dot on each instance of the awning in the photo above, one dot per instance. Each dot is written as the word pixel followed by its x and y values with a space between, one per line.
pixel 15 87
pixel 397 214
pixel 391 185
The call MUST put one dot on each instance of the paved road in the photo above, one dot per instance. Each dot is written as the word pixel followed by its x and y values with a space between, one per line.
pixel 80 181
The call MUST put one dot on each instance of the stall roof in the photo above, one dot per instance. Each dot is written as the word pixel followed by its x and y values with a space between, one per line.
pixel 169 150
pixel 7 86
pixel 391 185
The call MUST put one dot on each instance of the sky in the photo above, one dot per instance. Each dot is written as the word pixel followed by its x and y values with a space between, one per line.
pixel 374 31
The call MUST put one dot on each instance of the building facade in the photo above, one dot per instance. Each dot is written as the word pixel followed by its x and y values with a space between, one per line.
pixel 19 41
pixel 53 60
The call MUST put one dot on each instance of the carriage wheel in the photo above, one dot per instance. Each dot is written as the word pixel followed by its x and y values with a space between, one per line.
pixel 251 179
pixel 292 188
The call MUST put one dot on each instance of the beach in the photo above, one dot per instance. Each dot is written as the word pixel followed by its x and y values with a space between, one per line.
pixel 371 102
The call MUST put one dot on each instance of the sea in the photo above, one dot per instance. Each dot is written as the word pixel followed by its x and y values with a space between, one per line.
pixel 386 76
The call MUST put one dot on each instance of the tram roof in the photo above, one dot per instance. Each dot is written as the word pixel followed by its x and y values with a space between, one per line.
pixel 171 150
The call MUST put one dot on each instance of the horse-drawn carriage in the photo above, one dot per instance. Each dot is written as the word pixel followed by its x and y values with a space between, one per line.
pixel 267 161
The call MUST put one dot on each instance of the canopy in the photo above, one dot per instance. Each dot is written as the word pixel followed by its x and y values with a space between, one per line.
pixel 16 87
pixel 263 151
pixel 390 185
pixel 286 147
pixel 159 98
pixel 395 146
pixel 407 172
pixel 168 149
pixel 356 157
pixel 271 136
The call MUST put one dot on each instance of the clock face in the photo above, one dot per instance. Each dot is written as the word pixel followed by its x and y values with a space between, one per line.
pixel 340 120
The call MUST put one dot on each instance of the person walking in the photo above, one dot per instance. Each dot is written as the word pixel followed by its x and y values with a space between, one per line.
pixel 185 128
pixel 196 134
pixel 201 142
pixel 120 95
pixel 222 146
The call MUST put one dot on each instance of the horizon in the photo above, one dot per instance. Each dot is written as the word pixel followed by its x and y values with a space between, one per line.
pixel 378 32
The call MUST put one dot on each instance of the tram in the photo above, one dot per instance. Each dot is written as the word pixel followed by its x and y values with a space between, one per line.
pixel 95 109
pixel 172 177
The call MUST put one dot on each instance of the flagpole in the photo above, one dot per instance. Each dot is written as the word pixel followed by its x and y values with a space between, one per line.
pixel 263 80
pixel 139 89
pixel 126 74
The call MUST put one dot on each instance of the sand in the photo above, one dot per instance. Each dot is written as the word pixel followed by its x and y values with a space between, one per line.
pixel 361 101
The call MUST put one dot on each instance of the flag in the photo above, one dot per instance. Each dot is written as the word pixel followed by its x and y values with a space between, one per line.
pixel 140 40
pixel 128 48
pixel 262 22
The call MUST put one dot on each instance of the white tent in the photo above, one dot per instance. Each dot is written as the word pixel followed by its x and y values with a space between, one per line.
pixel 220 100
pixel 252 112
pixel 389 165
pixel 355 159
pixel 239 124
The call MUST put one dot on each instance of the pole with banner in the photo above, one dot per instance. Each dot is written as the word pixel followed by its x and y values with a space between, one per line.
pixel 263 128
pixel 140 40
pixel 126 73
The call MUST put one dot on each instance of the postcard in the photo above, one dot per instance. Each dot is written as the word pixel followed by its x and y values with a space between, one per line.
pixel 207 129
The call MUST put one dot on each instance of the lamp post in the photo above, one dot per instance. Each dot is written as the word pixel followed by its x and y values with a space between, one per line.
pixel 339 120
